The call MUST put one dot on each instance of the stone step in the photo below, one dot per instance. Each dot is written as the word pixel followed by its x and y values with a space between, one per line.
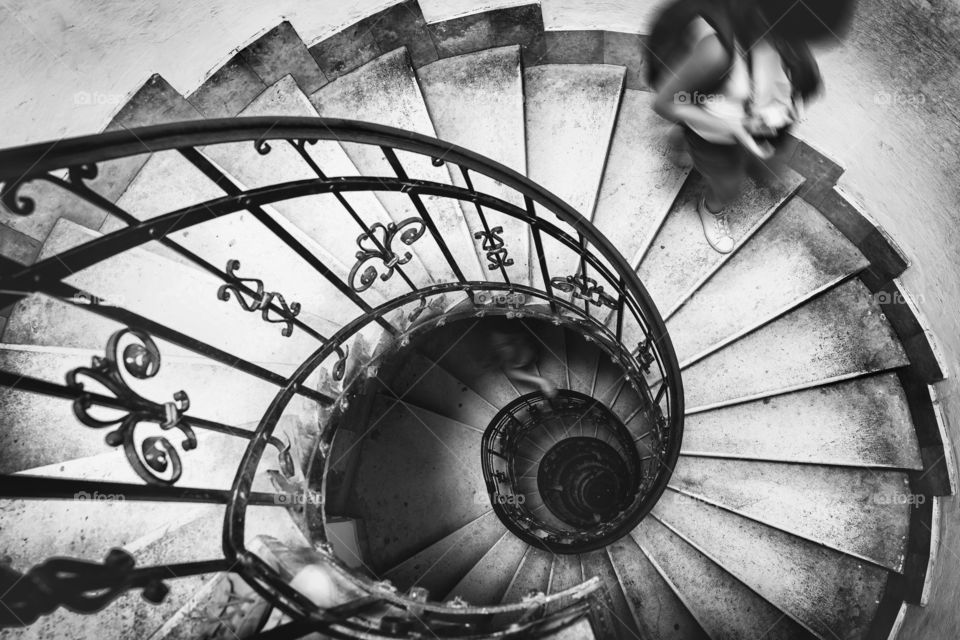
pixel 434 487
pixel 582 360
pixel 840 334
pixel 793 257
pixel 385 91
pixel 168 182
pixel 444 563
pixel 463 350
pixel 863 422
pixel 487 581
pixel 164 291
pixel 476 101
pixel 829 593
pixel 613 615
pixel 570 116
pixel 196 536
pixel 420 381
pixel 680 259
pixel 656 608
pixel 566 572
pixel 280 52
pixel 861 512
pixel 39 430
pixel 532 575
pixel 640 183
pixel 332 231
pixel 722 605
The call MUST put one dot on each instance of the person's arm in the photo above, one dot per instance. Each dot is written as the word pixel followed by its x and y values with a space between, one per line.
pixel 704 67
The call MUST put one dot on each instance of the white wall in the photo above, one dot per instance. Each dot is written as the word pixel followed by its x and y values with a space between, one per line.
pixel 67 65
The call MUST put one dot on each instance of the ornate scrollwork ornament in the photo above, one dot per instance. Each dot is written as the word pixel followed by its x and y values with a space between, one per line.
pixel 155 459
pixel 260 300
pixel 492 242
pixel 62 582
pixel 584 288
pixel 378 245
pixel 15 203
pixel 340 367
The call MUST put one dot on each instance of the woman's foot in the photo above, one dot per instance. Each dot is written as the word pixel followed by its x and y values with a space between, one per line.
pixel 715 228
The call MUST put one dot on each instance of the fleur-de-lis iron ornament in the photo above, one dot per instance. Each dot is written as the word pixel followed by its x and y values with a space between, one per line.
pixel 493 244
pixel 260 301
pixel 378 245
pixel 155 459
pixel 584 288
pixel 78 585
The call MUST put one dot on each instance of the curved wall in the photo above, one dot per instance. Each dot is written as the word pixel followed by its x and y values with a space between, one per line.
pixel 891 117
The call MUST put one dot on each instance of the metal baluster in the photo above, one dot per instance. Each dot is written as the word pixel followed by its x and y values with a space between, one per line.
pixel 300 147
pixel 397 167
pixel 499 260
pixel 94 198
pixel 541 258
pixel 229 187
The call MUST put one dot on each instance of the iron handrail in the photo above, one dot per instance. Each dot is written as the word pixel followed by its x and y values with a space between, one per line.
pixel 79 158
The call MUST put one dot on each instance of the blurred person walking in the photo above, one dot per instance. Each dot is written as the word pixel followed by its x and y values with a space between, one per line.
pixel 734 74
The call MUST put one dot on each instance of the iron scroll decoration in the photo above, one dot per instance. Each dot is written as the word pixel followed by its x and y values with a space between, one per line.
pixel 156 459
pixel 260 301
pixel 381 238
pixel 584 288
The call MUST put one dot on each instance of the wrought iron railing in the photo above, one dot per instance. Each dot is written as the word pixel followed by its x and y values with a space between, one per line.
pixel 574 276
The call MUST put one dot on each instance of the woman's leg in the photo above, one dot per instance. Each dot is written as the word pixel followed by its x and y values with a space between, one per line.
pixel 723 167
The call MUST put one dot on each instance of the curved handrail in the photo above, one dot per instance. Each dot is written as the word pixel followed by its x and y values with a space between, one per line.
pixel 80 157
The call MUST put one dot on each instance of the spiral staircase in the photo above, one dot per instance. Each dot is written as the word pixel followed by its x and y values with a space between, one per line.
pixel 273 298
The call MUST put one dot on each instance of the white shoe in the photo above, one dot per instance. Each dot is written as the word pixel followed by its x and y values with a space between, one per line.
pixel 715 228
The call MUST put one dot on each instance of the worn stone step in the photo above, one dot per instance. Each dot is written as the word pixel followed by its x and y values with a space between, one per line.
pixel 722 605
pixel 172 294
pixel 566 572
pixel 863 422
pixel 582 360
pixel 434 488
pixel 487 581
pixel 321 217
pixel 861 512
pixel 385 91
pixel 421 382
pixel 532 575
pixel 679 258
pixel 838 335
pixel 831 594
pixel 797 254
pixel 440 566
pixel 570 115
pixel 463 350
pixel 613 615
pixel 280 52
pixel 656 608
pixel 640 182
pixel 39 430
pixel 169 182
pixel 476 101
